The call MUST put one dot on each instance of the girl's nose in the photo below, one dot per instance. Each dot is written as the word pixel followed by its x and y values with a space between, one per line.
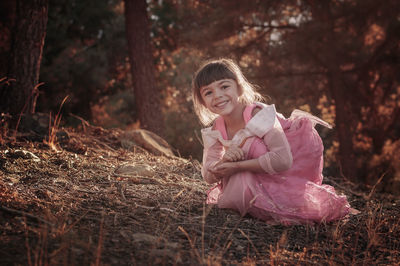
pixel 218 93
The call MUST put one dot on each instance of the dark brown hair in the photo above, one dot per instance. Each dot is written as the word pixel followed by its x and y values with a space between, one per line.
pixel 214 70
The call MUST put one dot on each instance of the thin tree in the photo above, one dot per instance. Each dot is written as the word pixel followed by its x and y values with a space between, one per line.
pixel 146 93
pixel 27 20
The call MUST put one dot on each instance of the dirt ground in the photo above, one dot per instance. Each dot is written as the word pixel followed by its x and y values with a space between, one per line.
pixel 93 202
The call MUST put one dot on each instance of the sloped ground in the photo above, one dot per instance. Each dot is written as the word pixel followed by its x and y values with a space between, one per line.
pixel 96 203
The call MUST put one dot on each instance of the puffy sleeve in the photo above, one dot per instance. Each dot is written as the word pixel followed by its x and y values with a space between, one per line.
pixel 266 126
pixel 212 153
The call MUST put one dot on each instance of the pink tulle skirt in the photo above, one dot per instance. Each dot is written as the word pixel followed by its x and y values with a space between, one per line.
pixel 290 197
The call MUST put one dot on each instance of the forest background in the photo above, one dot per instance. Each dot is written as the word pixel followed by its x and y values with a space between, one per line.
pixel 129 64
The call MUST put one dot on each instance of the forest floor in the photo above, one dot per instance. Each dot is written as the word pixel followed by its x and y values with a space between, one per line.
pixel 74 207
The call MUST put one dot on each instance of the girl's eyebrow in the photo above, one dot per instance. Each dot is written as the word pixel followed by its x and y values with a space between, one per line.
pixel 204 89
pixel 222 81
pixel 219 83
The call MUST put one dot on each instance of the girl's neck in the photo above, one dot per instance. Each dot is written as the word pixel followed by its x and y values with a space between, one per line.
pixel 234 121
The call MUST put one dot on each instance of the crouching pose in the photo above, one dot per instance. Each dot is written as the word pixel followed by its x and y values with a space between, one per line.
pixel 261 163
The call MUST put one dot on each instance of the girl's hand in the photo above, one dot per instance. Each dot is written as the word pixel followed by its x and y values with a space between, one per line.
pixel 233 154
pixel 224 169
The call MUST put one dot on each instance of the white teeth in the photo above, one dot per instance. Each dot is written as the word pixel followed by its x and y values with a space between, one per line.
pixel 221 104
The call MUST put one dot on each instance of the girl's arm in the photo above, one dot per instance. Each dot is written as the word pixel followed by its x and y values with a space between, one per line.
pixel 211 157
pixel 278 159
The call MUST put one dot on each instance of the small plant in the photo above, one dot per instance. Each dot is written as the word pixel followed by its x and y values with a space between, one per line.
pixel 53 128
pixel 4 117
pixel 30 101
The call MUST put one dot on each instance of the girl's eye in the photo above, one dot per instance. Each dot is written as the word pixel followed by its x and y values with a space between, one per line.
pixel 224 87
pixel 207 93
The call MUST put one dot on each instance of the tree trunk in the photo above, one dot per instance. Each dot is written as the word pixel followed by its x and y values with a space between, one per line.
pixel 331 61
pixel 146 93
pixel 29 20
pixel 344 126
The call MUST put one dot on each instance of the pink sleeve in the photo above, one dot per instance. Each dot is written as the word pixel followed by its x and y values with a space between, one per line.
pixel 211 155
pixel 279 158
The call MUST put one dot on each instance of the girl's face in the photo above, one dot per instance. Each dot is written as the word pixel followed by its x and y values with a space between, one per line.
pixel 221 97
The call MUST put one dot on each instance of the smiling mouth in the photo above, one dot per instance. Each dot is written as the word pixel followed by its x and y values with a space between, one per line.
pixel 221 104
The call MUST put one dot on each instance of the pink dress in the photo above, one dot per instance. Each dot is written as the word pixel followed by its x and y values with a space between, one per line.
pixel 292 196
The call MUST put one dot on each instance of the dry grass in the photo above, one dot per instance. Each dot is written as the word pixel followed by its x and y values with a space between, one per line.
pixel 71 208
pixel 53 128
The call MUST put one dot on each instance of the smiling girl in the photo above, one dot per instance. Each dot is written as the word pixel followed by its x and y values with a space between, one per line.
pixel 262 164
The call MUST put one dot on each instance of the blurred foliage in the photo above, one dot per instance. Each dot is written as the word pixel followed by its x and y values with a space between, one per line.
pixel 85 55
pixel 312 55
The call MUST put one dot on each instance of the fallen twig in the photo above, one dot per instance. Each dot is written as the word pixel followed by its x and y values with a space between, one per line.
pixel 25 214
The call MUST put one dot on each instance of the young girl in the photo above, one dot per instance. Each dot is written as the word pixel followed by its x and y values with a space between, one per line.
pixel 262 163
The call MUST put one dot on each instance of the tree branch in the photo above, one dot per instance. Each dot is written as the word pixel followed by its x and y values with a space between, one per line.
pixel 270 27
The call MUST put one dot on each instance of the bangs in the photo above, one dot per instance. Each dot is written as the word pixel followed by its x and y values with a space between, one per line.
pixel 216 70
pixel 213 72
